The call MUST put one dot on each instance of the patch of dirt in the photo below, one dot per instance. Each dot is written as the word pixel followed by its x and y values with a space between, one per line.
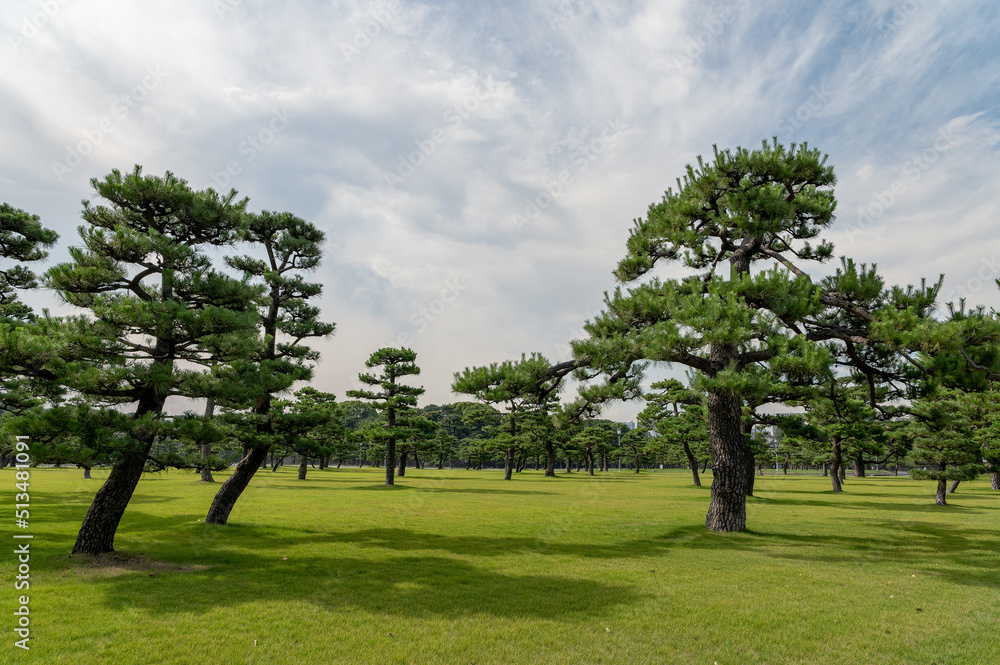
pixel 113 564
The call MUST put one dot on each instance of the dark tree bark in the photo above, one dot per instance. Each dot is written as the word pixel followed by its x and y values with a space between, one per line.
pixel 954 486
pixel 693 463
pixel 727 510
pixel 939 498
pixel 859 465
pixel 836 466
pixel 231 490
pixel 86 472
pixel 825 470
pixel 508 463
pixel 995 480
pixel 97 533
pixel 569 465
pixel 401 472
pixel 303 466
pixel 206 448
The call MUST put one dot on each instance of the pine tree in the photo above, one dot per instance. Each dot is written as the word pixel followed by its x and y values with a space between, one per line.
pixel 395 401
pixel 157 310
pixel 291 246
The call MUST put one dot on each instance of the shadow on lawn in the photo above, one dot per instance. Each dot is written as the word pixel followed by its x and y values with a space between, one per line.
pixel 412 586
pixel 966 556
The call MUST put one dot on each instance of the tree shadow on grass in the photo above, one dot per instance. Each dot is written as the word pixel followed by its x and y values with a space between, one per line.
pixel 963 556
pixel 411 586
pixel 446 490
pixel 921 505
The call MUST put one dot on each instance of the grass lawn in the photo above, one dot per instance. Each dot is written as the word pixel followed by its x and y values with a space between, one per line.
pixel 461 567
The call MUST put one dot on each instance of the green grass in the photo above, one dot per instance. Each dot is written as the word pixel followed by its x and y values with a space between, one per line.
pixel 462 567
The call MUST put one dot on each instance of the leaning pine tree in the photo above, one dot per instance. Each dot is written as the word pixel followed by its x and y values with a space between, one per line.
pixel 157 310
pixel 291 246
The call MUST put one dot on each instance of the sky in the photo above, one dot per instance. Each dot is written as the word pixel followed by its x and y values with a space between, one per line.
pixel 477 166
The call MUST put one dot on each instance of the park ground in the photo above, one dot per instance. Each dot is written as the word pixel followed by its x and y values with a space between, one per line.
pixel 461 567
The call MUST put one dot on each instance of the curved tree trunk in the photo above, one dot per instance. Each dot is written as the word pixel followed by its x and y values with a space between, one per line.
pixel 954 486
pixel 303 466
pixel 231 490
pixel 836 466
pixel 727 510
pixel 86 472
pixel 693 463
pixel 859 465
pixel 401 472
pixel 97 533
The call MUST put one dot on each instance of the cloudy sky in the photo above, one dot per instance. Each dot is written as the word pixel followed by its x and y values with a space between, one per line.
pixel 476 166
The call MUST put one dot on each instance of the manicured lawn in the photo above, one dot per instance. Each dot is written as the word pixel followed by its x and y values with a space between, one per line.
pixel 461 567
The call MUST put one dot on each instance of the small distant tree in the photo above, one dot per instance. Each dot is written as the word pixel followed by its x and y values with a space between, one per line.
pixel 676 414
pixel 308 425
pixel 526 385
pixel 944 447
pixel 395 402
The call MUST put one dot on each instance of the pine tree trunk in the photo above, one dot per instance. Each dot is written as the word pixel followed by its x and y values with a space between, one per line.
pixel 303 466
pixel 231 490
pixel 939 498
pixel 401 472
pixel 825 471
pixel 693 464
pixel 86 472
pixel 836 466
pixel 206 472
pixel 569 466
pixel 995 480
pixel 954 486
pixel 590 463
pixel 416 461
pixel 859 465
pixel 637 462
pixel 97 533
pixel 508 463
pixel 206 448
pixel 727 510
